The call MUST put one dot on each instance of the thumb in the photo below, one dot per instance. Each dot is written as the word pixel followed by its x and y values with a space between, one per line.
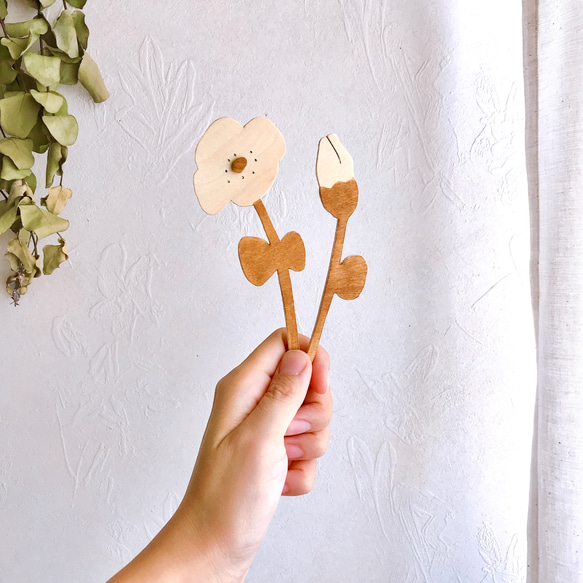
pixel 285 394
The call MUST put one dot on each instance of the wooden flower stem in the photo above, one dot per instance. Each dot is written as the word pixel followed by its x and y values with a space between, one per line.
pixel 330 287
pixel 284 280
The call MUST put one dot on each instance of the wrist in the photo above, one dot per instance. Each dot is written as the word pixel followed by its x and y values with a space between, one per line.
pixel 201 554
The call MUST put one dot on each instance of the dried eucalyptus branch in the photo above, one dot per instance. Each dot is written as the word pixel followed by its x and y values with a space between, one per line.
pixel 36 56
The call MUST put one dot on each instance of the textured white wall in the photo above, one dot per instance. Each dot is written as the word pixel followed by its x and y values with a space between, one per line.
pixel 109 365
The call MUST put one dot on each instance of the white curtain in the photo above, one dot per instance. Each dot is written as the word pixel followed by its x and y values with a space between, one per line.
pixel 554 79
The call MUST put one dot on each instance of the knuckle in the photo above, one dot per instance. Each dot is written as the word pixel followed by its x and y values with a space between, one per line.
pixel 306 484
pixel 320 444
pixel 282 388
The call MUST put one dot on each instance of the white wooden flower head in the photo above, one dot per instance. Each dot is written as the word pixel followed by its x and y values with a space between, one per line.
pixel 239 164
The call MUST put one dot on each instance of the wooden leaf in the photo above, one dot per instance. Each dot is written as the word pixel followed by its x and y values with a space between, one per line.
pixel 260 259
pixel 256 260
pixel 349 277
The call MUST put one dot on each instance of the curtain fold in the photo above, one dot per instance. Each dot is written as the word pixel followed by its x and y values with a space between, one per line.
pixel 555 96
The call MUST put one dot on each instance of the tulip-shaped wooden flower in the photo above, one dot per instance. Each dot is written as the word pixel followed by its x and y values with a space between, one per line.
pixel 339 195
pixel 239 164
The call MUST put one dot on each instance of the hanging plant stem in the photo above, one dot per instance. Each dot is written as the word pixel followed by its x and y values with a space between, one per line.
pixel 36 56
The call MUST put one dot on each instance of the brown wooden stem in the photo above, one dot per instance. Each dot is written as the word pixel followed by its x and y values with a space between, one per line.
pixel 284 280
pixel 329 288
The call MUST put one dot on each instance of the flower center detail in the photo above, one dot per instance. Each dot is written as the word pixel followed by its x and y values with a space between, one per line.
pixel 238 165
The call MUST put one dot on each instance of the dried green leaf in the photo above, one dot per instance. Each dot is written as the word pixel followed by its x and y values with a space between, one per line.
pixel 20 190
pixel 64 109
pixel 65 34
pixel 47 3
pixel 19 151
pixel 31 181
pixel 57 199
pixel 18 248
pixel 18 114
pixel 7 71
pixel 11 172
pixel 46 70
pixel 40 136
pixel 8 210
pixel 77 3
pixel 3 9
pixel 64 56
pixel 53 256
pixel 41 222
pixel 37 26
pixel 69 73
pixel 53 162
pixel 90 77
pixel 50 100
pixel 18 46
pixel 81 28
pixel 63 128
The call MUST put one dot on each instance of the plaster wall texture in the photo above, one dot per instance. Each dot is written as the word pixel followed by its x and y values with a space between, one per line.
pixel 109 365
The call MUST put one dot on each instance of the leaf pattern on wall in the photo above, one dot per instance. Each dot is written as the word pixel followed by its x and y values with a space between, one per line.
pixel 418 516
pixel 164 117
pixel 500 566
pixel 499 121
pixel 126 290
pixel 403 147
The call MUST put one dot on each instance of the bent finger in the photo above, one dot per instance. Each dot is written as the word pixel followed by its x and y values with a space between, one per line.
pixel 301 477
pixel 307 446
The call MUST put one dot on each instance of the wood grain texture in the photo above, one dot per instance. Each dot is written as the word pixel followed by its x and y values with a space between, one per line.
pixel 339 196
pixel 346 278
pixel 236 163
pixel 259 261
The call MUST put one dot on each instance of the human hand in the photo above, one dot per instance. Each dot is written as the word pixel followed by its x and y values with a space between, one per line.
pixel 268 425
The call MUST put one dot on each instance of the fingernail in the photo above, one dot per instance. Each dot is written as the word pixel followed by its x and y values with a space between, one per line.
pixel 285 489
pixel 294 452
pixel 293 362
pixel 298 426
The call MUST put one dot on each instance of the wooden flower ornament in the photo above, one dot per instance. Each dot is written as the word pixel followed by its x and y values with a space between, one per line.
pixel 239 164
pixel 339 195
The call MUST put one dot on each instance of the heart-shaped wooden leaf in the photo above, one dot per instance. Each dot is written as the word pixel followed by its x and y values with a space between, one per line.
pixel 350 277
pixel 260 260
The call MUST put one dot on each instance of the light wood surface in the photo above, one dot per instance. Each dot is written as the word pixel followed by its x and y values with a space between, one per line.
pixel 236 163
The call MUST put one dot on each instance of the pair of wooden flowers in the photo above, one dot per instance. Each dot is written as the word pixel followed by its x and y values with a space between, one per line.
pixel 239 164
